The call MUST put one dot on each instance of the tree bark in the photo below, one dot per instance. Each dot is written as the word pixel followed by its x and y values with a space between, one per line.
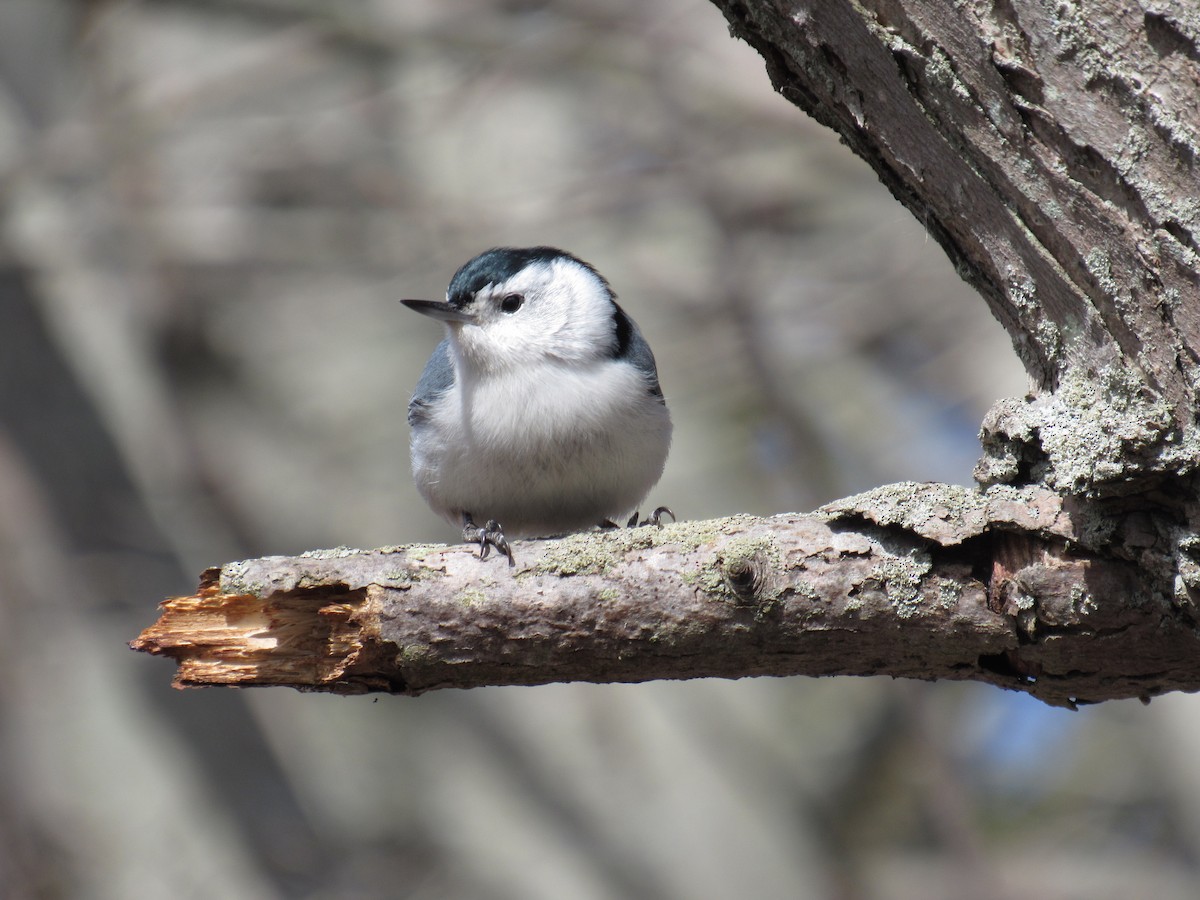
pixel 911 580
pixel 1051 149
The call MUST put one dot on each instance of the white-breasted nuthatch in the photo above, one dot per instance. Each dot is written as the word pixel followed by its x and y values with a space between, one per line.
pixel 541 412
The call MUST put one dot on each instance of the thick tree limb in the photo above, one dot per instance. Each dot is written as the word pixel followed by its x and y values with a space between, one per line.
pixel 915 581
pixel 1051 148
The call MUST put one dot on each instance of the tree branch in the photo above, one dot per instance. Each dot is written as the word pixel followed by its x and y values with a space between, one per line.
pixel 913 581
pixel 1051 150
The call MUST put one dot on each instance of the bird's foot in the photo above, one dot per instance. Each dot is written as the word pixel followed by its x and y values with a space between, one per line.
pixel 487 537
pixel 655 518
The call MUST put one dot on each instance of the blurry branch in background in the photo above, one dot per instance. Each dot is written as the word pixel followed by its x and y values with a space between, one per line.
pixel 805 448
pixel 1029 143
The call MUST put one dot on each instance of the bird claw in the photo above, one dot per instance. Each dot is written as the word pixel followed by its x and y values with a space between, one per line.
pixel 487 537
pixel 655 518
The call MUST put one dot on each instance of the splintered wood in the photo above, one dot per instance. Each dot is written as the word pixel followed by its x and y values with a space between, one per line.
pixel 914 580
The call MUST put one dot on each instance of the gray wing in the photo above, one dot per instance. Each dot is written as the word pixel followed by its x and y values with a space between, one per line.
pixel 631 346
pixel 435 381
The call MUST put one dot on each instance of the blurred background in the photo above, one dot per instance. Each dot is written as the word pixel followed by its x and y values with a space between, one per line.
pixel 208 211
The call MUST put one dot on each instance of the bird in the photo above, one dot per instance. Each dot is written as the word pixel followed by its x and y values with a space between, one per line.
pixel 540 413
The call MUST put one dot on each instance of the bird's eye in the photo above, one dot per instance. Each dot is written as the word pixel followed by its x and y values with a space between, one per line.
pixel 511 303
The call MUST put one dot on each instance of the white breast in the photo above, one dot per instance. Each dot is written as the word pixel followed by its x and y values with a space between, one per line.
pixel 548 451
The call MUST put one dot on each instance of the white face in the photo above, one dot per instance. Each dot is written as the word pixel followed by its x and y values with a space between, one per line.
pixel 549 311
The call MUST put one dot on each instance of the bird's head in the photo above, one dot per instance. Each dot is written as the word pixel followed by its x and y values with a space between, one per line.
pixel 512 307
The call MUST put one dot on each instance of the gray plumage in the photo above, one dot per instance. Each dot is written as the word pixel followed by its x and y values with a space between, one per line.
pixel 435 379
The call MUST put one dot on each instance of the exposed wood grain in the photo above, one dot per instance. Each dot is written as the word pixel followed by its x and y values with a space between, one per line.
pixel 913 581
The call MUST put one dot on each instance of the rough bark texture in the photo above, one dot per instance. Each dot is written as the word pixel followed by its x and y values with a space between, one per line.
pixel 919 581
pixel 1051 148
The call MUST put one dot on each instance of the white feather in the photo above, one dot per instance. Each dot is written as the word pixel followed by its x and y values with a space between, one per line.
pixel 543 430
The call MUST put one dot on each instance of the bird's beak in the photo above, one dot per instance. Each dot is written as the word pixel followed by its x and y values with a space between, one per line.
pixel 440 310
